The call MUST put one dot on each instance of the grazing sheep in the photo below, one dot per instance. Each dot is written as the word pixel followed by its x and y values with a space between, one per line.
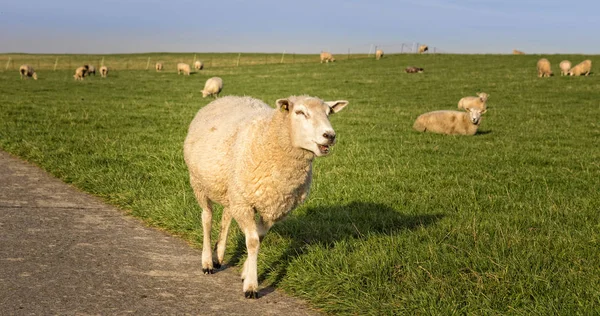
pixel 583 68
pixel 158 66
pixel 450 122
pixel 478 102
pixel 423 48
pixel 543 67
pixel 198 65
pixel 182 67
pixel 103 71
pixel 378 54
pixel 90 70
pixel 326 57
pixel 255 161
pixel 27 71
pixel 565 66
pixel 80 73
pixel 518 52
pixel 413 70
pixel 213 87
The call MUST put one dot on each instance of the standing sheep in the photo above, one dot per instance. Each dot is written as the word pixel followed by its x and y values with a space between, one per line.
pixel 565 66
pixel 198 65
pixel 213 87
pixel 583 68
pixel 423 48
pixel 326 57
pixel 378 54
pixel 255 161
pixel 80 73
pixel 478 102
pixel 27 71
pixel 90 70
pixel 518 52
pixel 158 66
pixel 103 71
pixel 450 122
pixel 543 67
pixel 182 67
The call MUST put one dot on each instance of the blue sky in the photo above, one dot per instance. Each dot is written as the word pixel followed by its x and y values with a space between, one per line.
pixel 460 26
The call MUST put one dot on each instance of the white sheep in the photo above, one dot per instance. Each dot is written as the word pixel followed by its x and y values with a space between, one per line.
pixel 518 52
pixel 27 71
pixel 254 160
pixel 450 122
pixel 326 57
pixel 543 67
pixel 103 71
pixel 80 73
pixel 183 67
pixel 583 68
pixel 423 48
pixel 198 65
pixel 378 54
pixel 213 87
pixel 90 70
pixel 158 66
pixel 474 102
pixel 565 66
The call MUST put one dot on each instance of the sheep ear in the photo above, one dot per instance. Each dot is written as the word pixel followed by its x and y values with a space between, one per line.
pixel 337 106
pixel 284 105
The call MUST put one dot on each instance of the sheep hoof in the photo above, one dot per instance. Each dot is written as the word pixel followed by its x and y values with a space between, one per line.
pixel 251 294
pixel 216 265
pixel 208 271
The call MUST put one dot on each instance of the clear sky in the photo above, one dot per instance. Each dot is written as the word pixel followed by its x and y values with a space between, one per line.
pixel 307 26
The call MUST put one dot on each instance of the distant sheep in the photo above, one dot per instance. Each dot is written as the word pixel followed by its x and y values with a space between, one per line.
pixel 80 73
pixel 256 161
pixel 326 57
pixel 543 68
pixel 413 70
pixel 518 52
pixel 423 48
pixel 583 68
pixel 103 71
pixel 198 65
pixel 478 102
pixel 90 69
pixel 565 66
pixel 182 67
pixel 27 71
pixel 378 54
pixel 450 122
pixel 158 66
pixel 212 87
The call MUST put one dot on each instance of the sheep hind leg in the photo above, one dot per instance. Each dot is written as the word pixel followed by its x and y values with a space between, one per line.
pixel 222 241
pixel 206 205
pixel 249 272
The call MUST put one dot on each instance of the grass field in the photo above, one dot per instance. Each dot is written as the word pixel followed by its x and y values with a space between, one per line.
pixel 503 222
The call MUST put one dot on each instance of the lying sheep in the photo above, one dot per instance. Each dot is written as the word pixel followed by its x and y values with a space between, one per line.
pixel 80 73
pixel 565 66
pixel 158 66
pixel 182 67
pixel 450 122
pixel 583 68
pixel 413 70
pixel 326 57
pixel 103 71
pixel 423 48
pixel 543 67
pixel 213 87
pixel 198 65
pixel 518 52
pixel 478 102
pixel 255 161
pixel 90 70
pixel 27 71
pixel 378 54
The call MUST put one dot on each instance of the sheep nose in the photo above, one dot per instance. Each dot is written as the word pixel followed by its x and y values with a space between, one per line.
pixel 330 136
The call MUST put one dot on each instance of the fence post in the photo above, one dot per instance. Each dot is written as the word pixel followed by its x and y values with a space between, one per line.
pixel 238 60
pixel 370 49
pixel 348 54
pixel 7 63
pixel 281 62
pixel 148 63
pixel 55 63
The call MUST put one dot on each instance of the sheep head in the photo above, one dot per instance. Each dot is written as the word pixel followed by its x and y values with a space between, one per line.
pixel 475 115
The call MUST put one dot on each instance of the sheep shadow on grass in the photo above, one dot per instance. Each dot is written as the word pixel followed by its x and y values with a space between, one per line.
pixel 327 225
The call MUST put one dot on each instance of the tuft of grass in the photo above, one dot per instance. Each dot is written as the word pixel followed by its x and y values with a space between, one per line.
pixel 397 222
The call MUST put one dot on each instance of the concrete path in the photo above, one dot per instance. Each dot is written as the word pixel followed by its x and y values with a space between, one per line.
pixel 65 252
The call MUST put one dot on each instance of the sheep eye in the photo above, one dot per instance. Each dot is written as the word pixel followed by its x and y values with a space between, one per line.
pixel 301 113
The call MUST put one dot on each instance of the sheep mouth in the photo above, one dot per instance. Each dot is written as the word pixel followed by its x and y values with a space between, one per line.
pixel 324 149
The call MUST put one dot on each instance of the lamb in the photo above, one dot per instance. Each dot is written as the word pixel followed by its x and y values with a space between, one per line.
pixel 413 70
pixel 583 68
pixel 103 71
pixel 543 67
pixel 423 48
pixel 378 54
pixel 182 67
pixel 158 66
pixel 518 52
pixel 478 102
pixel 450 122
pixel 254 160
pixel 213 87
pixel 80 73
pixel 27 71
pixel 90 69
pixel 198 65
pixel 326 57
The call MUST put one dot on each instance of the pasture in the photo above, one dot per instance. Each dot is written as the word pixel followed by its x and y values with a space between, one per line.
pixel 503 222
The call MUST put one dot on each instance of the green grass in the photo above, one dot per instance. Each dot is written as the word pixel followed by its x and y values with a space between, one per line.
pixel 503 222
